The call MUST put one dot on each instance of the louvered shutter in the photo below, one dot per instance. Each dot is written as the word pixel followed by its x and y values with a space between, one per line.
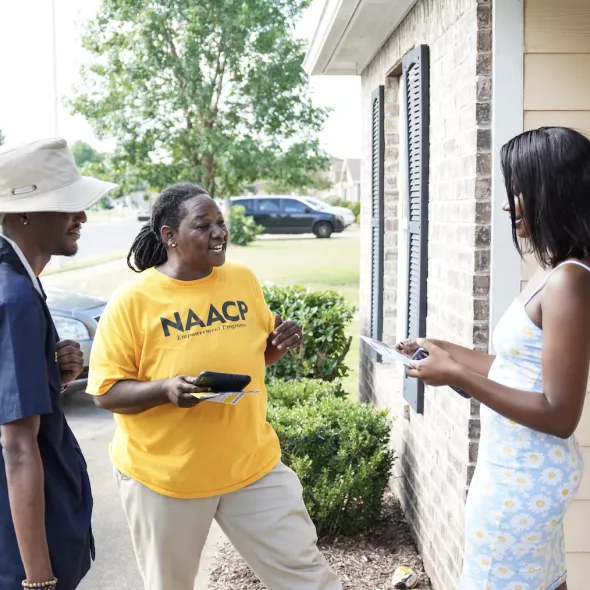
pixel 416 105
pixel 377 211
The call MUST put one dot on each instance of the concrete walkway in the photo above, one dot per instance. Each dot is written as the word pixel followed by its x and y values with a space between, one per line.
pixel 214 541
pixel 115 566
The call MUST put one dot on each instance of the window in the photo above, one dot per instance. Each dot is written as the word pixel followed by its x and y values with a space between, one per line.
pixel 246 203
pixel 415 66
pixel 293 206
pixel 271 206
pixel 377 211
pixel 316 204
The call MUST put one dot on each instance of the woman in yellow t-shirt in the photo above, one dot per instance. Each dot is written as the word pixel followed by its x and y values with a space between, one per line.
pixel 182 462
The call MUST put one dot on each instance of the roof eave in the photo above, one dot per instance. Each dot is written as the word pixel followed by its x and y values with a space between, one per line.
pixel 350 33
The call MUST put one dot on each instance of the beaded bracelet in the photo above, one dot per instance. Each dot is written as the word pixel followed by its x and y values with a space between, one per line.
pixel 50 585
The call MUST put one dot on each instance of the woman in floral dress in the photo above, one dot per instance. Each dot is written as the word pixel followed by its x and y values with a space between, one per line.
pixel 532 391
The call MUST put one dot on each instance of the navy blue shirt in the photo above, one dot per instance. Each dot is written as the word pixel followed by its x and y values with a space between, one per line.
pixel 30 385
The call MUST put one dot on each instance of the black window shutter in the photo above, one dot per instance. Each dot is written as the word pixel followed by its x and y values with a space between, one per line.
pixel 377 212
pixel 415 67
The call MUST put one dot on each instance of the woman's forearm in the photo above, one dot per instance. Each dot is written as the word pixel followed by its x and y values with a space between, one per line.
pixel 133 397
pixel 529 408
pixel 273 355
pixel 478 362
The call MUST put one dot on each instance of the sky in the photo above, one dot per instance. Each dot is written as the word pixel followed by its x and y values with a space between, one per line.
pixel 27 80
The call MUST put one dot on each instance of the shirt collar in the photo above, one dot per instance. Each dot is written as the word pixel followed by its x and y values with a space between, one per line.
pixel 25 263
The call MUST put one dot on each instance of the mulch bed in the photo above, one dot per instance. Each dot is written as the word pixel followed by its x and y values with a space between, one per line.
pixel 366 562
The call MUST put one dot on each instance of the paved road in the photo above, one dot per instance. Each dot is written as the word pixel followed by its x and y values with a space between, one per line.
pixel 115 567
pixel 103 238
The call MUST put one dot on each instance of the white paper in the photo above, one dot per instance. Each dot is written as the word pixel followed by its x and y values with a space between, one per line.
pixel 229 397
pixel 387 351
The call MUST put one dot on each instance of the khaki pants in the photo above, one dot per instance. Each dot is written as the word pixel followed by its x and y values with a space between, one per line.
pixel 267 522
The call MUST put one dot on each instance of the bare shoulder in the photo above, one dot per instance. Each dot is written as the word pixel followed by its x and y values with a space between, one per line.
pixel 569 283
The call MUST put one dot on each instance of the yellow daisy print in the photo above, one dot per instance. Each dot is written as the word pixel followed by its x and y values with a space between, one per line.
pixel 514 534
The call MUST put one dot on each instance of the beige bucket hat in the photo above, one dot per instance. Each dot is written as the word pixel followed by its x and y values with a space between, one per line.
pixel 42 176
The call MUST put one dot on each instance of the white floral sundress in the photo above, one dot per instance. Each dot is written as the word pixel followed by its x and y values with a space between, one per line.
pixel 524 480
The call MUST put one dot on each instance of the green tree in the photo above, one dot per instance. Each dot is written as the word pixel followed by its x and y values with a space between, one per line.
pixel 84 153
pixel 315 181
pixel 202 90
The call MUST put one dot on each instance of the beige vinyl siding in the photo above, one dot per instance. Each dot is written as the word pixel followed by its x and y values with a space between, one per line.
pixel 577 564
pixel 557 26
pixel 557 92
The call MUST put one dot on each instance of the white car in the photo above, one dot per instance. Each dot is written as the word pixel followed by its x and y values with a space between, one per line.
pixel 346 214
pixel 76 317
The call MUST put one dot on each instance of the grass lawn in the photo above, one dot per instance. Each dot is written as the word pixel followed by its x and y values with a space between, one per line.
pixel 316 264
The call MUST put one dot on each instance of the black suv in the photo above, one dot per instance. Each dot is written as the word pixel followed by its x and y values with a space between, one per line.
pixel 290 215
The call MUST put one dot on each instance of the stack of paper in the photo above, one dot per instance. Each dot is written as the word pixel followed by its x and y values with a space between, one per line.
pixel 229 397
pixel 387 351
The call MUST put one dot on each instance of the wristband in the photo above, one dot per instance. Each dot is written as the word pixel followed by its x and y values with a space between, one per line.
pixel 49 585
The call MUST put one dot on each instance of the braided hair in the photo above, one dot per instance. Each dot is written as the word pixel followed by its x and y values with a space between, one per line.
pixel 148 249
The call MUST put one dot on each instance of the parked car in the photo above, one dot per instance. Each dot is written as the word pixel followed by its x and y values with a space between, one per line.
pixel 291 215
pixel 145 211
pixel 346 213
pixel 76 317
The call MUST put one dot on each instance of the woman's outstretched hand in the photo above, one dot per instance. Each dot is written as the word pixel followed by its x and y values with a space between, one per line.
pixel 439 368
pixel 408 347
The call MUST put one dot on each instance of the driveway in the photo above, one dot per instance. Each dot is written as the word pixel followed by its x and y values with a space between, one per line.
pixel 115 565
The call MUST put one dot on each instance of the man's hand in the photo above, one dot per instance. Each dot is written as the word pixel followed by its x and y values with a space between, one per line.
pixel 70 359
pixel 287 334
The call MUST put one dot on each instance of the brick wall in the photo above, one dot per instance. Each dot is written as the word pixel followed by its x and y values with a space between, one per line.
pixel 437 450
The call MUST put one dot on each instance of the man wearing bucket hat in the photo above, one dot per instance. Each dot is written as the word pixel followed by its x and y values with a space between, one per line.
pixel 45 499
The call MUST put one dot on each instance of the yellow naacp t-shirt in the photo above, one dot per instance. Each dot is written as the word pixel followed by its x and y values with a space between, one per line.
pixel 157 328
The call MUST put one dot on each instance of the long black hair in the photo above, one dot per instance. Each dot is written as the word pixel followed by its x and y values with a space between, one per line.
pixel 548 169
pixel 148 249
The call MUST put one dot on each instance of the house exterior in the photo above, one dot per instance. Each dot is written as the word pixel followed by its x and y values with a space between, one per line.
pixel 348 186
pixel 335 170
pixel 444 84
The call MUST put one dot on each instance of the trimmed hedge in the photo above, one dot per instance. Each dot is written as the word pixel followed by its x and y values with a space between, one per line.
pixel 340 451
pixel 323 317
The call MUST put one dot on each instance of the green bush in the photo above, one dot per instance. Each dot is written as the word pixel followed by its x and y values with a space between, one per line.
pixel 323 317
pixel 355 207
pixel 243 229
pixel 288 394
pixel 340 451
